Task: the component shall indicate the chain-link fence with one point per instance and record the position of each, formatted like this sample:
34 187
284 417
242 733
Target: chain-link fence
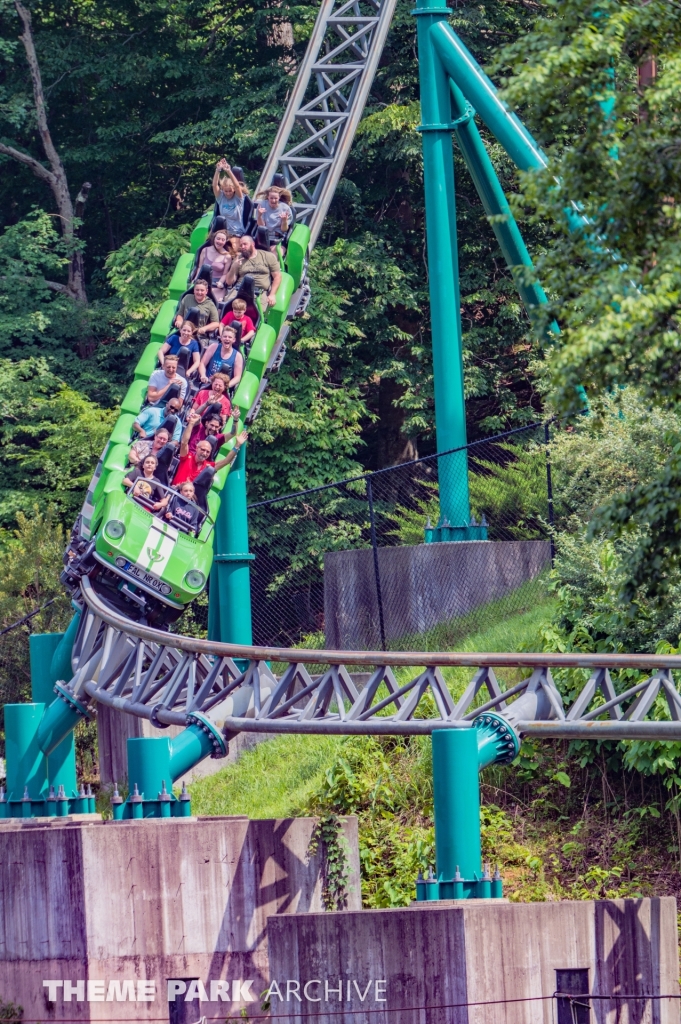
365 563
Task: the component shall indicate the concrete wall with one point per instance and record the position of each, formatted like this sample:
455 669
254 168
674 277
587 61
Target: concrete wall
114 728
421 586
497 959
149 900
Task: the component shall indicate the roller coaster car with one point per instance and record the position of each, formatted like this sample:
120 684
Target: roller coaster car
144 565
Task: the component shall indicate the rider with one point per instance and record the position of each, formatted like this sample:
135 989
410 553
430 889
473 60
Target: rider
222 357
229 195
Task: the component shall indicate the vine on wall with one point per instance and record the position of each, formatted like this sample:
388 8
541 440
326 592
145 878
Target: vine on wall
328 835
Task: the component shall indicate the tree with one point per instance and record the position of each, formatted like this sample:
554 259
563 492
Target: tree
612 138
69 214
51 438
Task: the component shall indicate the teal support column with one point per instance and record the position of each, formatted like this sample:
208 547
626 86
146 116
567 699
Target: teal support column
229 608
26 765
154 764
443 272
50 657
459 754
456 799
149 765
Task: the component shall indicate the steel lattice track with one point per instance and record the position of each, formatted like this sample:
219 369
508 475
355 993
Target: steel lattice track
325 107
165 678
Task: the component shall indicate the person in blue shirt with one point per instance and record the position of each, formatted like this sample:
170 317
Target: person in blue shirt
229 195
152 416
176 344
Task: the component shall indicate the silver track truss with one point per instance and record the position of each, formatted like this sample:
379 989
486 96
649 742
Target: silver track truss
166 678
326 104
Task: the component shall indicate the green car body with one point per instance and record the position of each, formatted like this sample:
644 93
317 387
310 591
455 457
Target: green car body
150 553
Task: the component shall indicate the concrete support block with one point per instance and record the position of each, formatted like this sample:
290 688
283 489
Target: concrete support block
479 962
150 900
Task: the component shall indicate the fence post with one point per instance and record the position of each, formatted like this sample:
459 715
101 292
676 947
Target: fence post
379 596
549 490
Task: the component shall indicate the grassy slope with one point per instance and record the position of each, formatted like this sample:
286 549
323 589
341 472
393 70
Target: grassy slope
277 778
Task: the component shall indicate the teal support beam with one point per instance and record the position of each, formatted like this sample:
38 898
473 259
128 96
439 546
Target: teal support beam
61 718
443 273
494 201
467 74
60 669
229 608
199 740
50 658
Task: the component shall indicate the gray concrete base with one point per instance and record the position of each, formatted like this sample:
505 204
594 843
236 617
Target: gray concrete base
477 962
148 901
421 586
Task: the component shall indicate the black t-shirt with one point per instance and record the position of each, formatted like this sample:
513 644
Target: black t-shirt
157 491
184 512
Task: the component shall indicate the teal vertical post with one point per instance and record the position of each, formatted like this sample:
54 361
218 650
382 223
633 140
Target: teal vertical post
26 764
149 765
50 657
229 608
443 271
456 798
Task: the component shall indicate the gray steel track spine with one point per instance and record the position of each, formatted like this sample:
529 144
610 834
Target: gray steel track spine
319 160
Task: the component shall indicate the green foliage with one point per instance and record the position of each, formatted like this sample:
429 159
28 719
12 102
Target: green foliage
10 1010
510 493
51 439
328 837
139 272
31 254
30 563
270 781
603 458
615 287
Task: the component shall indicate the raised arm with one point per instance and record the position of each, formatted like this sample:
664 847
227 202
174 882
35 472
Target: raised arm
238 188
228 459
216 177
235 266
236 417
192 420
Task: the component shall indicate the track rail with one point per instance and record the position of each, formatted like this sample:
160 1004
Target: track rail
326 104
166 678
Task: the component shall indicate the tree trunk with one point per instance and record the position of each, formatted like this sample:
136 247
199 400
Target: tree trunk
56 176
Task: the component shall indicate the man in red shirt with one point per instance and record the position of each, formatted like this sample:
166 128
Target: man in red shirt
190 465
